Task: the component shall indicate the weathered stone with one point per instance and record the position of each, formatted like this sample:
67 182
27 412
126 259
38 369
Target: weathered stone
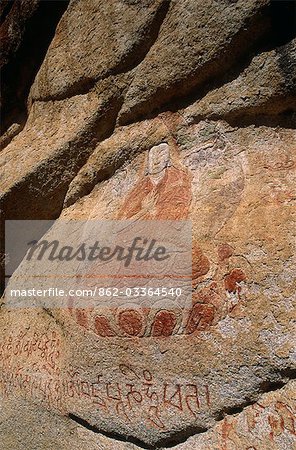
7 137
54 431
267 424
96 39
235 339
189 51
55 143
52 153
13 27
127 376
113 153
26 29
266 87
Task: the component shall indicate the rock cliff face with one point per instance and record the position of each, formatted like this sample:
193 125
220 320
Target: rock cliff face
206 91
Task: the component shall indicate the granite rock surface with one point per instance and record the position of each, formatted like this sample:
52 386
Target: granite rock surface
159 110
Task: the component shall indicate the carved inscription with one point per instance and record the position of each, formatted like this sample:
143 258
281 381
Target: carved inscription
130 395
44 346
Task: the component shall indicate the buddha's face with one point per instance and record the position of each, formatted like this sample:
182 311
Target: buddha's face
158 159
